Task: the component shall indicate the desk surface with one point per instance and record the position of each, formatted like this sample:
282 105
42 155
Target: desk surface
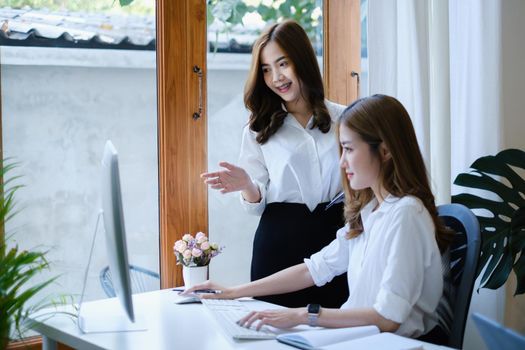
170 326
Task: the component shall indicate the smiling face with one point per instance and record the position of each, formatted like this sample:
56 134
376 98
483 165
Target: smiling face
360 163
279 75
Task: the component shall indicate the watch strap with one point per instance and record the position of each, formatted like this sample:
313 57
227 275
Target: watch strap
313 314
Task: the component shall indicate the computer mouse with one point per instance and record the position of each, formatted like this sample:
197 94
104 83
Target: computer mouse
188 300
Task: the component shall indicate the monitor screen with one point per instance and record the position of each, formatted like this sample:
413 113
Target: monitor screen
113 215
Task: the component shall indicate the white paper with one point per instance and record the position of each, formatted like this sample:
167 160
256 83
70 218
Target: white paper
321 337
379 341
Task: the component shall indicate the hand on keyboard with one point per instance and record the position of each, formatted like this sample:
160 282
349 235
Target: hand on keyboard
228 313
279 318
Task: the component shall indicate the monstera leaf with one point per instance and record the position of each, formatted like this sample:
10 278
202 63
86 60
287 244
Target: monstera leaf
502 232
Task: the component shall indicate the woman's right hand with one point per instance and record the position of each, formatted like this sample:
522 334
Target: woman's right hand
220 291
233 179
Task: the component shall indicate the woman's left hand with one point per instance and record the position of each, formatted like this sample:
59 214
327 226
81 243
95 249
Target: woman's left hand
279 318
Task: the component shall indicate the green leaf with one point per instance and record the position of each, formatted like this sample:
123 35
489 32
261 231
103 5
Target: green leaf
223 10
500 273
485 182
17 267
209 16
125 2
519 269
496 166
503 234
513 157
239 10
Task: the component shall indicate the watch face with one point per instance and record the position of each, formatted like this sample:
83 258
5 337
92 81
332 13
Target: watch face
313 308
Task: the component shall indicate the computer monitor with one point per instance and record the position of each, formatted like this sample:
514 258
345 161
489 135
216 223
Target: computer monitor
113 215
112 320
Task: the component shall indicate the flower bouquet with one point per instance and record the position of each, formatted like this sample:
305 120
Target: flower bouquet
194 254
195 251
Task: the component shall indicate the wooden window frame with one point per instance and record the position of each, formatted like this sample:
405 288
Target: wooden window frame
181 44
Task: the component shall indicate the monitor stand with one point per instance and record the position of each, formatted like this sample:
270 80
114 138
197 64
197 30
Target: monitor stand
109 320
105 323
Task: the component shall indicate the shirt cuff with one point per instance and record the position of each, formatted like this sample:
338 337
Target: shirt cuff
318 269
392 306
256 208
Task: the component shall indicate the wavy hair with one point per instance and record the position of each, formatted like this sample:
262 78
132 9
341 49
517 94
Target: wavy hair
383 119
266 112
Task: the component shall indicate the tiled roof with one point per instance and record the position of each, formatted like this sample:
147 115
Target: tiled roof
29 27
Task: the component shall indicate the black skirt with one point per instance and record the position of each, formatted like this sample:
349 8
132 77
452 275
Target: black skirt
288 233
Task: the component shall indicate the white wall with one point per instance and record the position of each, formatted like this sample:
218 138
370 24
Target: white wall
513 73
229 224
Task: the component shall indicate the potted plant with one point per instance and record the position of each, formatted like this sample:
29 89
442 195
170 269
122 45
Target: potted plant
503 230
17 269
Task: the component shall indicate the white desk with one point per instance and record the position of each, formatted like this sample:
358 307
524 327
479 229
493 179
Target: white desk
170 326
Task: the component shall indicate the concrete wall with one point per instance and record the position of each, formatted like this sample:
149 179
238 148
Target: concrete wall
58 108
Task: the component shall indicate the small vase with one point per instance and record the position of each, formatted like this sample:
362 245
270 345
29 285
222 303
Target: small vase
193 275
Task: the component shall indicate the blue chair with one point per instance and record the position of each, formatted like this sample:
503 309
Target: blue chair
142 280
460 273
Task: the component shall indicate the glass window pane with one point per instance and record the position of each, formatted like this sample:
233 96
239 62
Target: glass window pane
230 37
59 106
364 90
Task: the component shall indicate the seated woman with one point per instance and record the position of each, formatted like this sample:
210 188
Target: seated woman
390 245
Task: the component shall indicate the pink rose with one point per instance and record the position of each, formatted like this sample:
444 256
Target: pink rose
180 246
196 252
187 254
205 245
200 235
187 237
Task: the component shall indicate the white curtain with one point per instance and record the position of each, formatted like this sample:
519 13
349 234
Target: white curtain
476 119
398 56
442 60
475 67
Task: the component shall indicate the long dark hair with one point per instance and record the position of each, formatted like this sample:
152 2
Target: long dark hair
383 119
267 114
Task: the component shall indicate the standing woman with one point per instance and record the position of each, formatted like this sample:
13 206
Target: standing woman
288 169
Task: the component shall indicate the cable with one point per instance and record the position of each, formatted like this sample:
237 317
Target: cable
84 283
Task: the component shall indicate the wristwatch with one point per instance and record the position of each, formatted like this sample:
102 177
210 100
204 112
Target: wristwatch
314 310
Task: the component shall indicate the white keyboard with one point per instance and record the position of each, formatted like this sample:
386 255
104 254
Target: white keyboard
228 312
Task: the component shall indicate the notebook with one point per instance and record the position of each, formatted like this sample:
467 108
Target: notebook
496 336
364 337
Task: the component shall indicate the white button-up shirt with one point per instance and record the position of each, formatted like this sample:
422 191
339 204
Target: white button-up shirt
394 266
295 165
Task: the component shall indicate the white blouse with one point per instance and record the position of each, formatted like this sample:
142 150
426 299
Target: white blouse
394 266
295 165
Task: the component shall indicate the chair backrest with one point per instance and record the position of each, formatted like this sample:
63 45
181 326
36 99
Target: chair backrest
142 280
463 257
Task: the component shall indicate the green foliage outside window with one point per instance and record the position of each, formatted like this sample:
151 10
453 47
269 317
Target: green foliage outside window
137 7
231 12
226 13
